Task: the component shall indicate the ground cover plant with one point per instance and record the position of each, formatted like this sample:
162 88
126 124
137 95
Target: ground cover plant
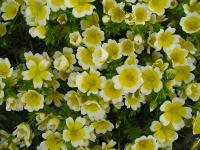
99 75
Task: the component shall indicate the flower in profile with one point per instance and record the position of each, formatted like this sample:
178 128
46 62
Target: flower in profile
81 8
108 5
75 38
117 14
135 100
131 60
33 100
100 56
2 85
14 104
76 132
196 124
129 78
152 80
102 126
73 100
5 70
187 45
110 93
90 21
113 49
174 112
190 23
145 143
183 73
193 91
55 5
192 7
52 141
93 109
163 133
3 29
39 31
89 82
38 72
141 13
166 39
127 47
55 97
93 36
159 7
160 64
109 146
9 9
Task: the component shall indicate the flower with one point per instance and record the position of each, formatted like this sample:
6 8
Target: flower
166 39
9 9
178 55
64 61
110 93
128 78
76 132
55 5
75 38
159 64
108 5
102 126
141 13
183 73
196 124
72 79
53 123
36 13
190 23
193 91
152 80
159 7
135 100
127 47
55 97
38 72
193 6
90 21
163 133
187 45
174 112
93 36
3 29
5 70
2 85
117 14
131 60
33 100
39 31
99 56
73 100
93 110
109 146
113 50
14 104
89 82
81 8
53 141
145 143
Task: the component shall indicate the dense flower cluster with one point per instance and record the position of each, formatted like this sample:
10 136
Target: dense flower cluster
72 93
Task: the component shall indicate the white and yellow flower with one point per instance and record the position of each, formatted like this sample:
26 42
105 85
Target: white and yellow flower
52 141
81 8
33 100
102 126
90 82
9 9
73 100
193 6
110 93
196 124
3 29
38 72
166 39
141 13
193 91
190 23
2 85
39 31
75 38
55 97
174 112
108 5
163 133
135 100
89 21
5 68
93 109
129 78
152 80
131 60
117 14
55 5
187 45
113 49
14 104
127 47
145 143
99 56
29 56
93 36
53 123
108 146
159 7
76 132
72 79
